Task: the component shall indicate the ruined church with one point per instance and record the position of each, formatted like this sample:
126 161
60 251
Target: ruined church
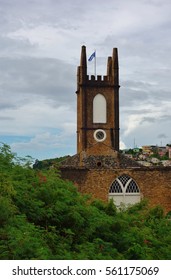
98 167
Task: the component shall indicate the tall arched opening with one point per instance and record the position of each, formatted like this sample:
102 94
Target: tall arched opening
99 109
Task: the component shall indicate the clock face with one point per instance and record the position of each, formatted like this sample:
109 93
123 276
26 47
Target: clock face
99 135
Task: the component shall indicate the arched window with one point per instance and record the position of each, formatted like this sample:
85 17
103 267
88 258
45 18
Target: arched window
124 190
99 109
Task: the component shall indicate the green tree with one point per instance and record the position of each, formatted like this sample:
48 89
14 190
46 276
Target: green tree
44 217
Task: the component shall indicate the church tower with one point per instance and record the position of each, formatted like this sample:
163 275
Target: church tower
99 168
98 108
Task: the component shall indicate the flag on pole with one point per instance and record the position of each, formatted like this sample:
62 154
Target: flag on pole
92 56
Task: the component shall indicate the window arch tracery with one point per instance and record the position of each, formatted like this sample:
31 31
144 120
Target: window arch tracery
124 190
124 184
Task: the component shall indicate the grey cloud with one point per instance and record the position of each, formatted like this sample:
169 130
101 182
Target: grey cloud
163 118
49 78
148 120
162 135
135 111
166 118
131 97
12 47
144 55
6 118
137 84
7 103
19 13
134 92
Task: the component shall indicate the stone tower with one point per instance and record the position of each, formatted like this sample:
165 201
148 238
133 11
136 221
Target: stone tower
99 168
98 108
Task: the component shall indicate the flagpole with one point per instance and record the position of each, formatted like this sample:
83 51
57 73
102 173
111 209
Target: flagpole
95 64
93 56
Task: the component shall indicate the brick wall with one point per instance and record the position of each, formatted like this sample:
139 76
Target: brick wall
154 183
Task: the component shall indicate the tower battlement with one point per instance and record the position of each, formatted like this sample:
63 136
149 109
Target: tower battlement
99 80
112 77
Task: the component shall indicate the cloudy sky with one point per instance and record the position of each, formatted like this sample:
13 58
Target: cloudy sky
40 42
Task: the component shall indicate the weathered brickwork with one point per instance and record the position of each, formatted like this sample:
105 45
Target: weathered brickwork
87 89
154 183
103 160
97 164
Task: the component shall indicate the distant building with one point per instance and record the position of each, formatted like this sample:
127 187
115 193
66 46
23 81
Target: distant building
129 155
142 157
154 160
162 151
168 148
148 150
145 163
136 150
169 151
166 162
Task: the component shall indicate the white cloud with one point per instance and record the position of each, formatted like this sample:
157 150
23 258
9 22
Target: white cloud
46 145
122 145
40 49
37 115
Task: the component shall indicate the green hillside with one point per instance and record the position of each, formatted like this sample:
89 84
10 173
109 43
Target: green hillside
48 163
43 217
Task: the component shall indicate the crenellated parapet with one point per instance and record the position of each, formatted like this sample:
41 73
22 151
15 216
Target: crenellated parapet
111 79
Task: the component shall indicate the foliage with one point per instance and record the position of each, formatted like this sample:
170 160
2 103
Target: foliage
48 163
44 217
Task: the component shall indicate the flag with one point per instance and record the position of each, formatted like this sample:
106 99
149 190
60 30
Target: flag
92 56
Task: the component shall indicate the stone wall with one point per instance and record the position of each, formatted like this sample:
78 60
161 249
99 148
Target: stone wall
154 183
